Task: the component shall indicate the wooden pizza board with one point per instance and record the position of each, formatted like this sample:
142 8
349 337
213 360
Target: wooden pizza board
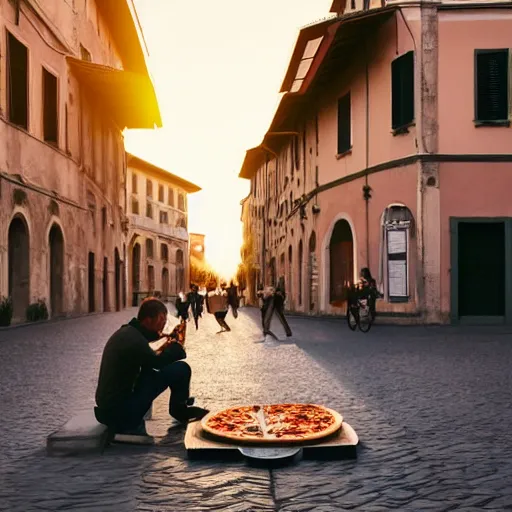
341 445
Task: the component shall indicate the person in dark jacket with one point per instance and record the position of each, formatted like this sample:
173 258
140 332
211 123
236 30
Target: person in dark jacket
276 305
132 374
233 298
196 300
182 306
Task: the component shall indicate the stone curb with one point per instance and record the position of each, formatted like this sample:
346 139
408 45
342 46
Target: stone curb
56 320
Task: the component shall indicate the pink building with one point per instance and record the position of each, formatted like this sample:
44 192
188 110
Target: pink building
73 76
390 149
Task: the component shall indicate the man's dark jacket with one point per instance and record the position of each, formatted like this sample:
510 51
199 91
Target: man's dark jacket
124 355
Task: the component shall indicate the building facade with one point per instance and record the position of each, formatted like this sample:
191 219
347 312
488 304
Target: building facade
68 73
158 248
390 149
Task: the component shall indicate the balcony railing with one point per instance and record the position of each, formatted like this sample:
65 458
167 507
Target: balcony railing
141 222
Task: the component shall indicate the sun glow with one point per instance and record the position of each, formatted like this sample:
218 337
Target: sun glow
217 68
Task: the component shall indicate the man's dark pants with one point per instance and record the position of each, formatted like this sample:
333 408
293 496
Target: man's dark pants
275 306
150 384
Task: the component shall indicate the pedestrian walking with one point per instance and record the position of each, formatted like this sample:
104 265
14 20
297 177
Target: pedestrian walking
217 305
196 300
182 307
233 298
273 303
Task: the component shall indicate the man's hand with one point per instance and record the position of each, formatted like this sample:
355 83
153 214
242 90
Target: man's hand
160 345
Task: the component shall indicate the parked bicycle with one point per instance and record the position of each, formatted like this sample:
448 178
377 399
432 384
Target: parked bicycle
361 303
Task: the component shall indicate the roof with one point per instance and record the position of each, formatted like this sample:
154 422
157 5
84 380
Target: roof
254 158
123 22
339 36
129 97
139 163
338 6
308 35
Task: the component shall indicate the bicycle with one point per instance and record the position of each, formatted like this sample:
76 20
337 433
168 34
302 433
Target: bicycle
360 310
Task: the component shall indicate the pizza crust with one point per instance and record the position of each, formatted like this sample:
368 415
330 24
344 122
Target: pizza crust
268 438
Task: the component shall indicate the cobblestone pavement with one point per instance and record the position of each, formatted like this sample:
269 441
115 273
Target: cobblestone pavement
432 407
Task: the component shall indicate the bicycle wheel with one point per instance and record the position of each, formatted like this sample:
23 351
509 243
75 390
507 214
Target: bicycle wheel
365 319
352 318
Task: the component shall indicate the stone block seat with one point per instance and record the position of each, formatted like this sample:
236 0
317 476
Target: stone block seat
82 433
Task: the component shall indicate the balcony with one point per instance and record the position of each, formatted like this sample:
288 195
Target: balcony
141 222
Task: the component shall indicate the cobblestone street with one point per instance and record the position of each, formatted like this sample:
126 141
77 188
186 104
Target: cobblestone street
432 407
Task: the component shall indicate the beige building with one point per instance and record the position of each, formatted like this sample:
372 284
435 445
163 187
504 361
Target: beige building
158 260
73 76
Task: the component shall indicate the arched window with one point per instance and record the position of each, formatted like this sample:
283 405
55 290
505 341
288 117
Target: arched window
149 188
397 230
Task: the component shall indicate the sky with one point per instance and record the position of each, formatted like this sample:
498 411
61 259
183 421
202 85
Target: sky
217 67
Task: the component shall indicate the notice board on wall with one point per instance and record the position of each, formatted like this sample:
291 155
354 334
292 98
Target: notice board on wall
397 263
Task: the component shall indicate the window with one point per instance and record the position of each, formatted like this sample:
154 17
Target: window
344 135
50 108
161 193
17 82
181 202
104 217
151 278
135 206
164 218
170 198
164 252
134 184
149 248
402 91
149 210
149 189
85 54
491 95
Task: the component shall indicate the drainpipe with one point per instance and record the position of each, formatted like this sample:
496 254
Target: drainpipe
366 188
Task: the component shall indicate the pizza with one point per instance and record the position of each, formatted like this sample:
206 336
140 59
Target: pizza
279 423
179 333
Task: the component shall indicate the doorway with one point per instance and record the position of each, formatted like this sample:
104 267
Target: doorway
105 285
481 262
56 242
341 261
481 282
19 267
91 288
117 279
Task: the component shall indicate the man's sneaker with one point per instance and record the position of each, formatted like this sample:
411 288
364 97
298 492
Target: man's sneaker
190 414
138 435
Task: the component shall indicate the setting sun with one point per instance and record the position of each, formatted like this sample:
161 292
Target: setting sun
217 68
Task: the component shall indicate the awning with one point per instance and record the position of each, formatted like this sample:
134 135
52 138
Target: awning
129 97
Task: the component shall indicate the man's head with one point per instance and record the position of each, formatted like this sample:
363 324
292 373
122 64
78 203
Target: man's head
152 314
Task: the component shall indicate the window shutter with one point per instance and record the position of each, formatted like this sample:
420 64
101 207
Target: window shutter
492 85
402 90
344 138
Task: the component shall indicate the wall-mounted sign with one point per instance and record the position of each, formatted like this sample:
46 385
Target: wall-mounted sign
397 263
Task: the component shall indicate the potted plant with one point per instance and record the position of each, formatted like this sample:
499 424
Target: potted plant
5 311
37 311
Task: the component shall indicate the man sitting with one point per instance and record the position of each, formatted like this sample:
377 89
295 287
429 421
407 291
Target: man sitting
132 374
